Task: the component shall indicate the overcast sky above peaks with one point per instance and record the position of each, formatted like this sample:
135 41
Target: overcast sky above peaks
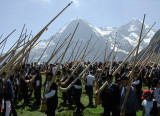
102 13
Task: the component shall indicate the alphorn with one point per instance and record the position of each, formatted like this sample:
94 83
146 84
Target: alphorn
115 72
1 36
132 72
12 53
35 52
105 60
97 97
77 52
7 36
153 66
63 43
18 63
145 62
115 57
72 83
77 67
110 68
55 73
98 51
73 51
44 50
33 56
9 57
127 55
33 39
61 55
56 46
84 55
144 55
9 51
3 47
85 47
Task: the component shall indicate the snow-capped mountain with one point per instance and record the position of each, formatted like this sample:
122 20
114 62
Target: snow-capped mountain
127 36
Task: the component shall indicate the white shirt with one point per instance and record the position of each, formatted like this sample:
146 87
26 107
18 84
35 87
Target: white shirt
17 81
123 90
148 106
78 86
90 80
110 85
136 82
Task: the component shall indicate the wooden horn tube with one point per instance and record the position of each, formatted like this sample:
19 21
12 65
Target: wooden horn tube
55 73
133 68
67 88
37 36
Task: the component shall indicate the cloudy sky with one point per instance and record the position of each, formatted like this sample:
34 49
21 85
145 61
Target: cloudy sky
102 13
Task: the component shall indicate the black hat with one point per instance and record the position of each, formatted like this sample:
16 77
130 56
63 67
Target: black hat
124 78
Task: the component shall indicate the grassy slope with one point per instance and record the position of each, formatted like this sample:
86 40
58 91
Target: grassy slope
33 110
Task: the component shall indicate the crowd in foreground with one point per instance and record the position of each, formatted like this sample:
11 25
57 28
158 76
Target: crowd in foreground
21 85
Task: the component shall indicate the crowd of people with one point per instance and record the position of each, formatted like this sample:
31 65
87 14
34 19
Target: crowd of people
21 85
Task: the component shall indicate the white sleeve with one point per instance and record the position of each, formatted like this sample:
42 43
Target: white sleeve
50 94
37 83
93 78
136 82
2 103
143 102
77 86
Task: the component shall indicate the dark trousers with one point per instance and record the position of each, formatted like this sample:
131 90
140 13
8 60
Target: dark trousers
78 103
69 97
51 108
108 111
139 93
89 92
25 96
131 114
16 93
37 95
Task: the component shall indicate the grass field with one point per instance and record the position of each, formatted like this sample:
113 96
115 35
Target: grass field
33 110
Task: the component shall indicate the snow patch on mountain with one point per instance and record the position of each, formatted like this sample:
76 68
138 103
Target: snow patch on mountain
127 36
102 32
132 28
134 35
